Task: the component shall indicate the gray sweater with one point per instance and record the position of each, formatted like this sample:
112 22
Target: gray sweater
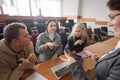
42 39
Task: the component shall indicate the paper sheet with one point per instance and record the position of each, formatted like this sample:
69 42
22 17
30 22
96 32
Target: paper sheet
36 76
84 53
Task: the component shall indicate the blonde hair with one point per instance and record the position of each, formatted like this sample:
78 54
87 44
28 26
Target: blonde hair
83 29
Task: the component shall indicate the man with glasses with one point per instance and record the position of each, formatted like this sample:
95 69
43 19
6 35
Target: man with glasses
16 52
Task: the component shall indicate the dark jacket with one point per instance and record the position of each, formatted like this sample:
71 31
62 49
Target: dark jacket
107 68
71 47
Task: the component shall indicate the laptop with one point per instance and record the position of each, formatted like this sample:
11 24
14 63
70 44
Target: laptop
60 70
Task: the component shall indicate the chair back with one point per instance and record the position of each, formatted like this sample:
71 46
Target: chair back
105 29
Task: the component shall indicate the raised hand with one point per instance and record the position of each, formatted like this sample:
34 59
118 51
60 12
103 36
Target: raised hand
78 42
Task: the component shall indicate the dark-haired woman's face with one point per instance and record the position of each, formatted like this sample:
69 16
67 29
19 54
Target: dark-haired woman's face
52 27
114 20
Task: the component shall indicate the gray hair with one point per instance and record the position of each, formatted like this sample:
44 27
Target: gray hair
83 29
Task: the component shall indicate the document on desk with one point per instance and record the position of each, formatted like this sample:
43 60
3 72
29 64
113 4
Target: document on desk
84 53
36 76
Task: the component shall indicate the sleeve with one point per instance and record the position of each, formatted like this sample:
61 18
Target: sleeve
60 48
39 44
77 71
6 73
70 46
114 73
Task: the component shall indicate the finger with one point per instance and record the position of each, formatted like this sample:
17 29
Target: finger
21 59
33 58
63 58
66 55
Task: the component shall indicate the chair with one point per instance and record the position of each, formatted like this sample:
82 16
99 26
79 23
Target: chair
70 23
1 31
85 25
41 27
63 36
100 35
33 39
29 24
10 21
62 22
89 33
91 37
105 30
41 21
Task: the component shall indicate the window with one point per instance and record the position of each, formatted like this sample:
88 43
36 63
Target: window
50 8
38 7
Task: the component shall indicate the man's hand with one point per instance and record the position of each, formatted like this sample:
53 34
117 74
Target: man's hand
32 58
24 65
95 57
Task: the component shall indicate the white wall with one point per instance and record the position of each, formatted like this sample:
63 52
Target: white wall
85 8
69 7
94 9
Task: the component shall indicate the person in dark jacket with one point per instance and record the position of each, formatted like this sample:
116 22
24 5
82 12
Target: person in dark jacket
77 39
108 66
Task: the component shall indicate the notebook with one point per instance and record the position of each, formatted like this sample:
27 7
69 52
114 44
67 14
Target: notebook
36 76
85 53
60 70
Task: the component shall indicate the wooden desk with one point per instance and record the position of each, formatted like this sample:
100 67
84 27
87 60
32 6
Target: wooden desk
44 69
100 48
88 64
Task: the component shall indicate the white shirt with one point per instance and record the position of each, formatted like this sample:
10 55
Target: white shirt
116 47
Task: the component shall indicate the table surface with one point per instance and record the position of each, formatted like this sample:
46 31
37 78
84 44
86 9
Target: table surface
88 64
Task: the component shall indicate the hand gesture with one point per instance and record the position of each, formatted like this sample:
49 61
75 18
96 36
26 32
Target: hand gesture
52 45
95 56
32 58
78 42
24 65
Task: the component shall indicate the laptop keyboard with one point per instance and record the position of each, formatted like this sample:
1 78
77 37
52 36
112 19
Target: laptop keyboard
62 72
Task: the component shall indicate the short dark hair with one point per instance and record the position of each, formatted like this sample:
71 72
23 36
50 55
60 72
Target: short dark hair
113 4
50 20
11 31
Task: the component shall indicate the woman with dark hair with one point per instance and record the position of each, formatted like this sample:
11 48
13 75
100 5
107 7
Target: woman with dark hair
108 66
48 44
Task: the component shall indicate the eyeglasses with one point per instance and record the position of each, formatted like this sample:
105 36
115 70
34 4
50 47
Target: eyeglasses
113 16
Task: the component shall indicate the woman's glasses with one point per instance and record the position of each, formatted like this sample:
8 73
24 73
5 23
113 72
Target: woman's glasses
113 16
